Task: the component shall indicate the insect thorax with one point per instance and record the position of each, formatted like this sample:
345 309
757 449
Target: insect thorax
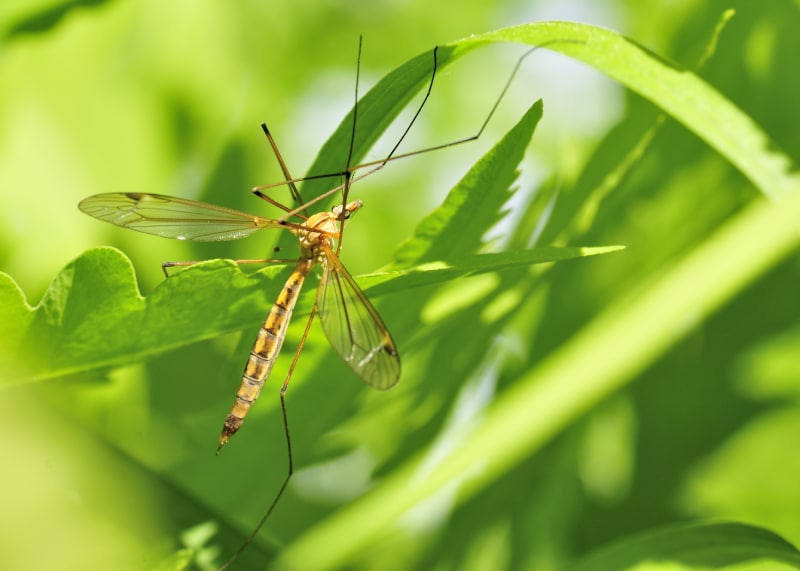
324 227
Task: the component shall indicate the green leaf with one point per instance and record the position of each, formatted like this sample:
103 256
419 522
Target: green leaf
434 273
93 316
86 319
679 92
693 546
474 205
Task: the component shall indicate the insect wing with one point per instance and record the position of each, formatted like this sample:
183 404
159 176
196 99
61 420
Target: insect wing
172 217
354 328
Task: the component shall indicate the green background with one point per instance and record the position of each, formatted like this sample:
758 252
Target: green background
107 469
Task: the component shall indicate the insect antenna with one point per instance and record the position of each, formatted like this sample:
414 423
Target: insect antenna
348 174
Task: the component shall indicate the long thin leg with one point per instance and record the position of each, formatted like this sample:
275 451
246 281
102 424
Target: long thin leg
287 434
187 263
380 163
299 348
274 503
300 211
289 212
286 175
311 202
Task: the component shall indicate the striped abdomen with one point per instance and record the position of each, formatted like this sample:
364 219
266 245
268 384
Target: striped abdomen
265 349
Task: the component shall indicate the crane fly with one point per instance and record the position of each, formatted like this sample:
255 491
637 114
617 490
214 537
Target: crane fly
352 325
350 322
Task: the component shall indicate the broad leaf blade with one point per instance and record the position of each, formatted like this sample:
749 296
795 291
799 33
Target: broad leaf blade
94 317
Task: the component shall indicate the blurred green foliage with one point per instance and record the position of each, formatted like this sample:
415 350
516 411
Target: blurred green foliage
117 471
